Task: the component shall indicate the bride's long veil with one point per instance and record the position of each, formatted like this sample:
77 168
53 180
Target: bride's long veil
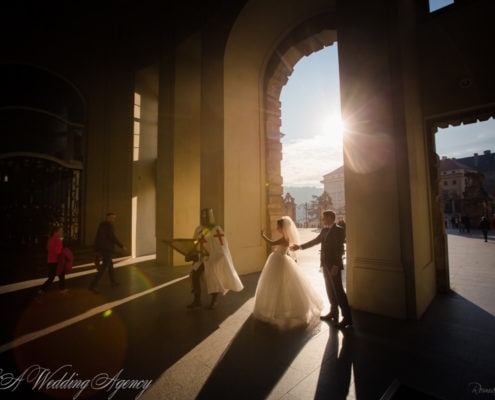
291 233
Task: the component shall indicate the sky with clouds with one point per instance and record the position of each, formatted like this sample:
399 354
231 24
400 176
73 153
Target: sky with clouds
465 140
312 146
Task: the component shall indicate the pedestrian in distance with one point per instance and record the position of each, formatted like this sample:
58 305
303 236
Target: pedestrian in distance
104 245
485 227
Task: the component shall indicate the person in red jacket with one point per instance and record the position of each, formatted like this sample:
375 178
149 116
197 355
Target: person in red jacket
65 261
54 249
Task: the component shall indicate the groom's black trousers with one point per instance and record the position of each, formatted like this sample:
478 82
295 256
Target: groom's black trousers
336 293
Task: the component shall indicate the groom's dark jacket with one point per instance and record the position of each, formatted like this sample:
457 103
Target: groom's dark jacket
332 246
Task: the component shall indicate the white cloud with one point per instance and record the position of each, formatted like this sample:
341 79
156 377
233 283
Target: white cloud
305 161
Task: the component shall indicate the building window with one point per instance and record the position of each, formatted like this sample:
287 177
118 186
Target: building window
137 126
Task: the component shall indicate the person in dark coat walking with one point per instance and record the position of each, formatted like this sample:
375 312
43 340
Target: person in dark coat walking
332 238
105 242
484 226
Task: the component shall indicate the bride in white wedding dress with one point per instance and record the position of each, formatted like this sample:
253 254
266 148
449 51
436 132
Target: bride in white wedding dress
284 297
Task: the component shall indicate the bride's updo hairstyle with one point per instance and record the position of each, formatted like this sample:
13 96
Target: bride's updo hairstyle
289 229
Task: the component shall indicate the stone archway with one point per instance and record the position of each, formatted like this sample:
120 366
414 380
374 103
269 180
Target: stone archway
260 31
391 273
309 37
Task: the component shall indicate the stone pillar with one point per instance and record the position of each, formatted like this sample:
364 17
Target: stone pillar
187 140
178 171
165 161
212 125
391 262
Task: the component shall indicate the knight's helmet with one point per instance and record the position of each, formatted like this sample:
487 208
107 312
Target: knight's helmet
207 217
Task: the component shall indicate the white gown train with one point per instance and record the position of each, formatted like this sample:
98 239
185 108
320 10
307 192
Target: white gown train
284 297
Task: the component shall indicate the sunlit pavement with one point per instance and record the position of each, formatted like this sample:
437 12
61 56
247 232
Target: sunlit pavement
437 357
324 364
257 370
143 329
472 267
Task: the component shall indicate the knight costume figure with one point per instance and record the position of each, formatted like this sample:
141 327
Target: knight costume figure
214 260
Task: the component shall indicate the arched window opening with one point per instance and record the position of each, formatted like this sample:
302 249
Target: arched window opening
312 161
307 39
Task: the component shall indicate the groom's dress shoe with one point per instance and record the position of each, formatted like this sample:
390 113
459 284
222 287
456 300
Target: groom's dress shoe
344 324
329 317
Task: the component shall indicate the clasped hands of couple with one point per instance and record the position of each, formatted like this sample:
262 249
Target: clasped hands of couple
334 270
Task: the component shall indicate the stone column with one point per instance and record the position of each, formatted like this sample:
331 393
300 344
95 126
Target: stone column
165 161
212 125
390 260
179 141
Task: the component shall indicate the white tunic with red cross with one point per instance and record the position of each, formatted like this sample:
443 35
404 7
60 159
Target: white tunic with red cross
220 274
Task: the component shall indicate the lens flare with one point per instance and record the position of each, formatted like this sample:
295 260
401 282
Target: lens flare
368 152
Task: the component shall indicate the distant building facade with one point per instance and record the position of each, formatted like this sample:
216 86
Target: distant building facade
484 163
455 177
333 184
467 189
453 183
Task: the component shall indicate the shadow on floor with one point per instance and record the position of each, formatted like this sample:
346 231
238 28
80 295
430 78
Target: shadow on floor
255 361
448 354
335 373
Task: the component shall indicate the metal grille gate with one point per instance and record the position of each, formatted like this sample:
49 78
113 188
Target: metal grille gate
37 193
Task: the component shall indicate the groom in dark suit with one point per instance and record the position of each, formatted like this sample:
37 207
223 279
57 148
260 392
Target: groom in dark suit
332 238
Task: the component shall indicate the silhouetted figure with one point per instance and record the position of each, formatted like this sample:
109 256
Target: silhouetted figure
105 242
466 223
484 226
332 238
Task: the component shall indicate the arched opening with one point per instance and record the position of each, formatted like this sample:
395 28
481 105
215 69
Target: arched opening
392 273
41 164
312 145
261 49
308 38
465 184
